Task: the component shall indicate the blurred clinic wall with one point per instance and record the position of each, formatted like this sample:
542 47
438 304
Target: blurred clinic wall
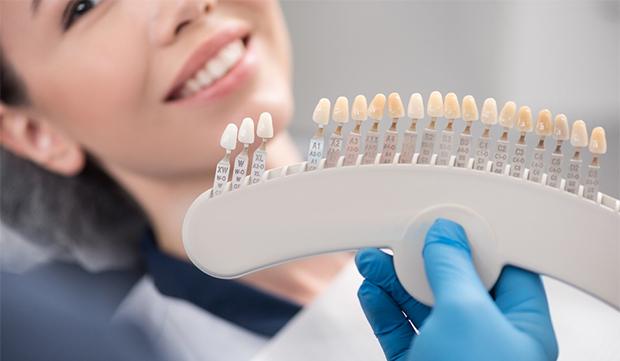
562 55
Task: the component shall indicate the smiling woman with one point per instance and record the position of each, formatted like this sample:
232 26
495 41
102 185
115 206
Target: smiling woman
116 132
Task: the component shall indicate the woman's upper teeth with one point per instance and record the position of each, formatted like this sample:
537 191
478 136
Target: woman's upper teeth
214 68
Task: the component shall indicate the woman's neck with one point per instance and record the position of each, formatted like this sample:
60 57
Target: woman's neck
165 203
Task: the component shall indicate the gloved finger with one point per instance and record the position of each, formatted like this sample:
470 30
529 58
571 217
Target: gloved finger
378 268
520 296
448 264
388 323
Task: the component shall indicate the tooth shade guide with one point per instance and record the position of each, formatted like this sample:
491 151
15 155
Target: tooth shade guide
315 149
427 146
371 145
335 147
482 150
352 148
409 143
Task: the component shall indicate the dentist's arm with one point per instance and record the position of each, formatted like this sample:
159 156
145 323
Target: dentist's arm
466 323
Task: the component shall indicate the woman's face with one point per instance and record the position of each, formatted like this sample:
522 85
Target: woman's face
148 86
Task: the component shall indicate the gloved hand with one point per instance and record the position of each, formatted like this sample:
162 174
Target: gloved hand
466 322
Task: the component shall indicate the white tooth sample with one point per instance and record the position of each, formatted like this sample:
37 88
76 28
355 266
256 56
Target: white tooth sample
246 131
507 114
544 128
579 134
395 106
415 108
359 113
246 137
470 114
452 109
264 130
578 139
489 112
561 133
560 127
377 107
228 140
598 142
470 109
321 112
434 108
315 150
598 146
488 117
415 111
544 123
375 112
524 125
396 110
340 115
359 109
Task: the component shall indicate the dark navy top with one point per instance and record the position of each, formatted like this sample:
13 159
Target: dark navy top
241 304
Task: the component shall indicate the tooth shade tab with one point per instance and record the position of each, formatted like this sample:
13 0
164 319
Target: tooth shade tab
415 109
321 112
560 127
396 109
228 140
579 134
544 123
524 120
507 114
489 112
359 109
264 128
340 114
246 131
598 142
451 107
377 107
470 109
434 107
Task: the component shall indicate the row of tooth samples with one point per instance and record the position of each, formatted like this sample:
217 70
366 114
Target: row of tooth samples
245 135
500 157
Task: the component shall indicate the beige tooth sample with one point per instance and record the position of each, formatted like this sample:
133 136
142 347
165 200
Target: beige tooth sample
415 111
315 150
377 107
544 123
598 142
434 108
470 109
359 113
321 112
579 140
524 120
561 133
507 114
371 145
341 110
359 109
452 110
579 134
598 146
489 112
415 108
395 110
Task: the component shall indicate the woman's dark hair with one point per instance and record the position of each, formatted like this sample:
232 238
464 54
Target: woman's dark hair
85 217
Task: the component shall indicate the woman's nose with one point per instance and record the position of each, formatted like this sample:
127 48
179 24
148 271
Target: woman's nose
171 17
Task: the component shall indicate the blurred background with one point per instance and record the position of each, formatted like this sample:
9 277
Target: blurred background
561 55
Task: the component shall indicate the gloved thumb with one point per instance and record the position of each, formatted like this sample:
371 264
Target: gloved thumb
448 263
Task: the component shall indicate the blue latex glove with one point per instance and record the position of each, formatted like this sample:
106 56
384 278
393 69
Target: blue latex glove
466 322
